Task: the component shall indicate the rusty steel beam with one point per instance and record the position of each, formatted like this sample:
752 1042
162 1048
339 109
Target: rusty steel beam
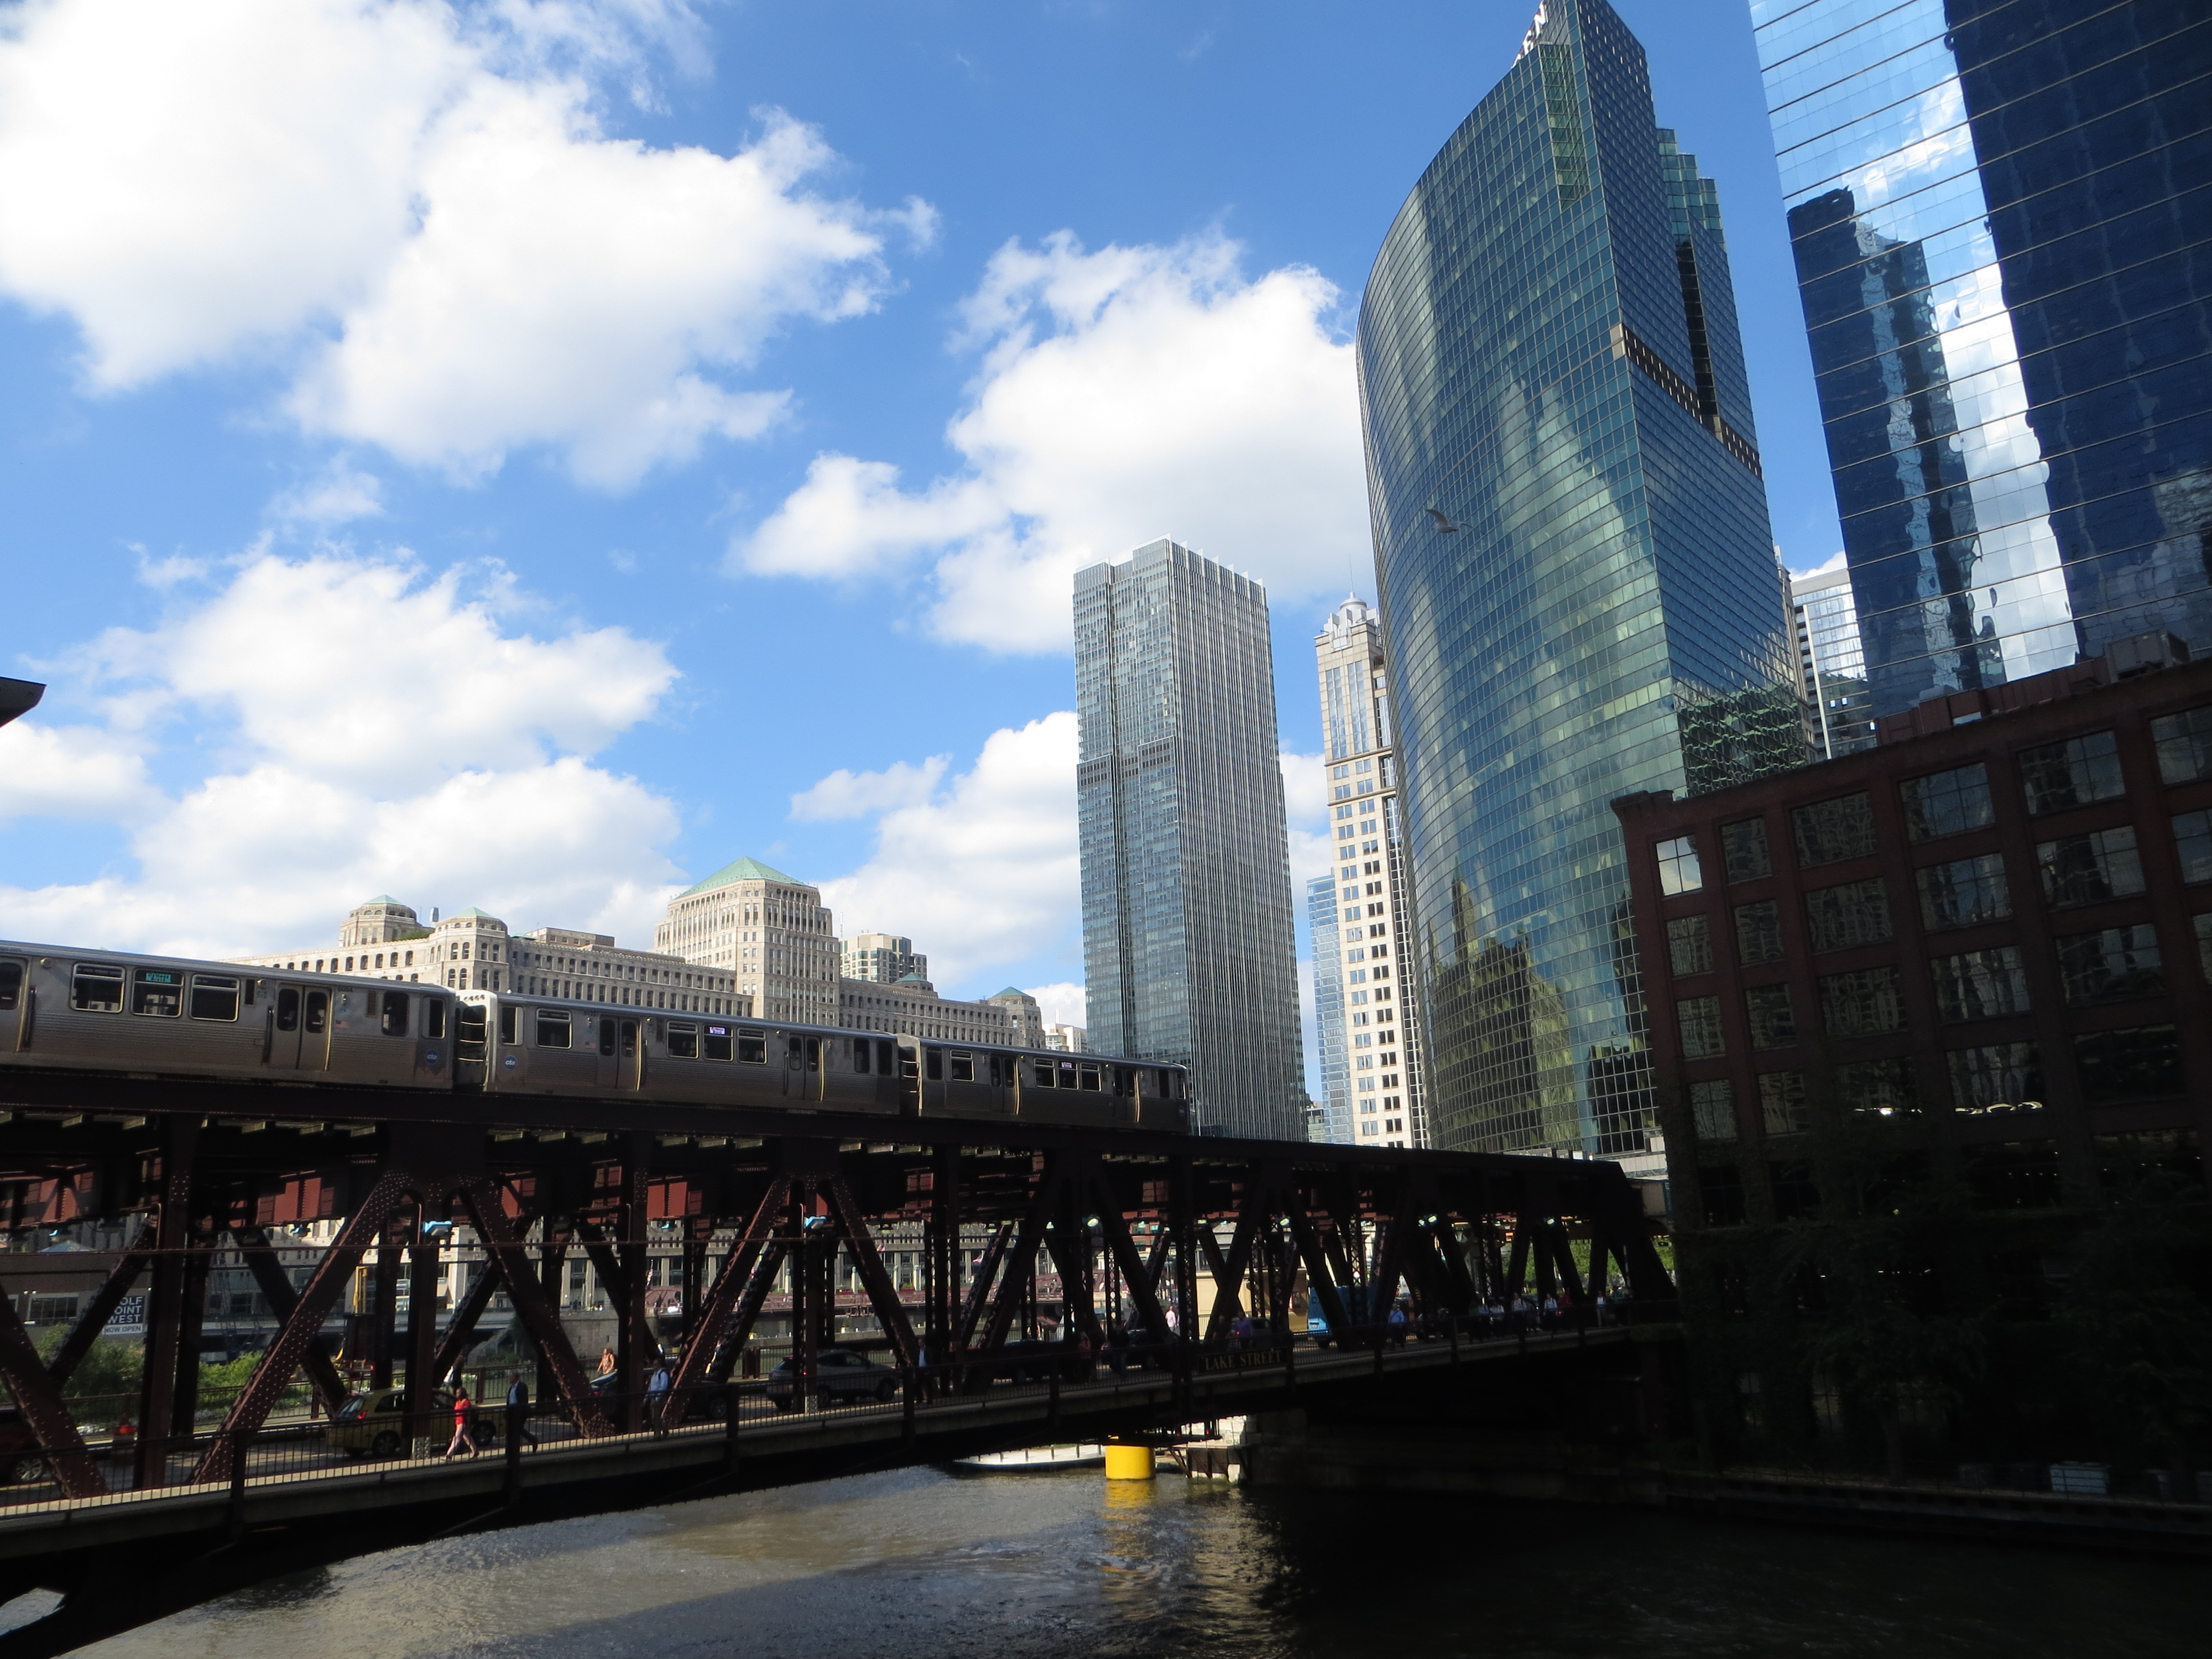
454 1346
480 1198
721 1301
883 1295
94 1320
38 1396
260 1258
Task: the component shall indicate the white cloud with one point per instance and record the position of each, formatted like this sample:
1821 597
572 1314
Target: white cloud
1063 1003
379 730
1833 561
417 211
983 870
337 495
1306 805
847 794
70 772
1120 396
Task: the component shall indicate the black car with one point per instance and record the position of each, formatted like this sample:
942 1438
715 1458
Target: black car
840 1374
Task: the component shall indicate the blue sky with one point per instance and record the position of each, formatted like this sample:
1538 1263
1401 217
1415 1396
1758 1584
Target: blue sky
526 455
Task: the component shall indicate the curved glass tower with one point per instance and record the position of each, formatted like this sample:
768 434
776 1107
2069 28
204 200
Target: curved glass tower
1577 580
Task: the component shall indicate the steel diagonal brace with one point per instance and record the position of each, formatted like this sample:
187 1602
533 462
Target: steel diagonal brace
534 1308
277 1285
95 1318
298 1334
714 1312
453 1347
1229 1285
1023 1257
1319 1278
979 1288
772 1258
40 1397
883 1295
1141 1277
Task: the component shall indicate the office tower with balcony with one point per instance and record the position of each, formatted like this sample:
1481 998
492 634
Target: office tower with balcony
1379 997
1188 939
1831 663
1576 573
1998 210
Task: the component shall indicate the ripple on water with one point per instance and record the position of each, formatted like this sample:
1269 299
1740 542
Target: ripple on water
918 1563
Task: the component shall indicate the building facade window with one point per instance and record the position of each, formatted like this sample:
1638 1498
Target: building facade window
1829 831
1979 985
2090 869
1743 848
1689 945
1679 870
1863 1003
1759 933
1964 892
1713 1109
1856 913
1773 1020
1699 1019
2114 964
1947 803
1782 1106
1999 1077
2183 743
2078 772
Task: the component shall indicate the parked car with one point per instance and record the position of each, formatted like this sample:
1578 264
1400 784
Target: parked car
840 1374
374 1424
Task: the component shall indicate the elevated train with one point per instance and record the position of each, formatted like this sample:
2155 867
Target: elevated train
63 1008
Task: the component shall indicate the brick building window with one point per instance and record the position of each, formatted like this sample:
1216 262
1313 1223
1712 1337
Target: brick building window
2142 1062
2111 965
1689 945
1876 1088
1964 892
1857 1004
1698 1018
1720 1186
1679 871
1782 1107
1713 1109
1856 913
2184 745
2090 869
1759 933
1979 985
1773 1021
2002 1077
1829 831
2192 840
1743 850
1947 803
2073 773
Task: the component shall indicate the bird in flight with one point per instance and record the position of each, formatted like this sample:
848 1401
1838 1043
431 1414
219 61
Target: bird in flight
1444 526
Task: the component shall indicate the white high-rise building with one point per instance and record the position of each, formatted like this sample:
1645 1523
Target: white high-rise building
885 958
1831 662
1377 997
768 931
1330 1044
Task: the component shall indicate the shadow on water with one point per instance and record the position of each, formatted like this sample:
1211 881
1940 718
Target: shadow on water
915 1565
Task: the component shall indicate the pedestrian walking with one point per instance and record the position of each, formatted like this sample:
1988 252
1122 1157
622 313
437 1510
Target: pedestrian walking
462 1408
518 1411
656 1398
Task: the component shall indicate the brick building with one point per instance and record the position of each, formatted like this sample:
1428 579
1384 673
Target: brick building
1981 949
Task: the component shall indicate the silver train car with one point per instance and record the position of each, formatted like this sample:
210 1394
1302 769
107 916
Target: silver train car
62 1008
507 1043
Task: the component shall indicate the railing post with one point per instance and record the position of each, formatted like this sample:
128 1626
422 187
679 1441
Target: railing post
733 1399
906 1404
241 1444
516 1417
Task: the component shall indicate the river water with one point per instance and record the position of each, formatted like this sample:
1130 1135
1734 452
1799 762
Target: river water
921 1564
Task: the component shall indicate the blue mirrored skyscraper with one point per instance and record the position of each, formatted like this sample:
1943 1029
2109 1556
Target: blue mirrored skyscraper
1577 579
2002 216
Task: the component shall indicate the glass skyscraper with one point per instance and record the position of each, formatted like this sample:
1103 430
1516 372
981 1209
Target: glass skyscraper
1832 664
1331 1050
2000 211
1576 576
1188 949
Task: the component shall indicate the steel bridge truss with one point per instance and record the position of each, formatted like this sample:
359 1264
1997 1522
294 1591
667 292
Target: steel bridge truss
1171 1236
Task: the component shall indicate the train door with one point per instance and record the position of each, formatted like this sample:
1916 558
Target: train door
15 1003
298 1029
629 1057
472 1045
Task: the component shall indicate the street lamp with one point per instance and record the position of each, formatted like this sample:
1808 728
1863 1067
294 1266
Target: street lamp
18 698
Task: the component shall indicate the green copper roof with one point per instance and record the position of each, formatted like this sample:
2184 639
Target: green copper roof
472 911
382 899
1011 991
743 870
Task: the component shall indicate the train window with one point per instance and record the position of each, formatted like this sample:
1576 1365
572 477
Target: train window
861 1054
1124 1080
1067 1074
683 1040
628 1038
885 1050
1002 1070
158 992
752 1048
936 1064
1043 1075
718 1043
434 1017
1090 1074
395 1011
607 1038
319 1012
214 996
553 1028
509 1025
11 984
96 990
814 1053
288 1009
250 984
963 1068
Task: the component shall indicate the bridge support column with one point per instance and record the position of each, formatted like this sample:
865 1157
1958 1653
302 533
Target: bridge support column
157 1394
422 1378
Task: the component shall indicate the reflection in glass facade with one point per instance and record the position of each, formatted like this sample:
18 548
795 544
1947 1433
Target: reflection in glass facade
1832 663
1577 575
1999 211
1188 948
1331 1048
